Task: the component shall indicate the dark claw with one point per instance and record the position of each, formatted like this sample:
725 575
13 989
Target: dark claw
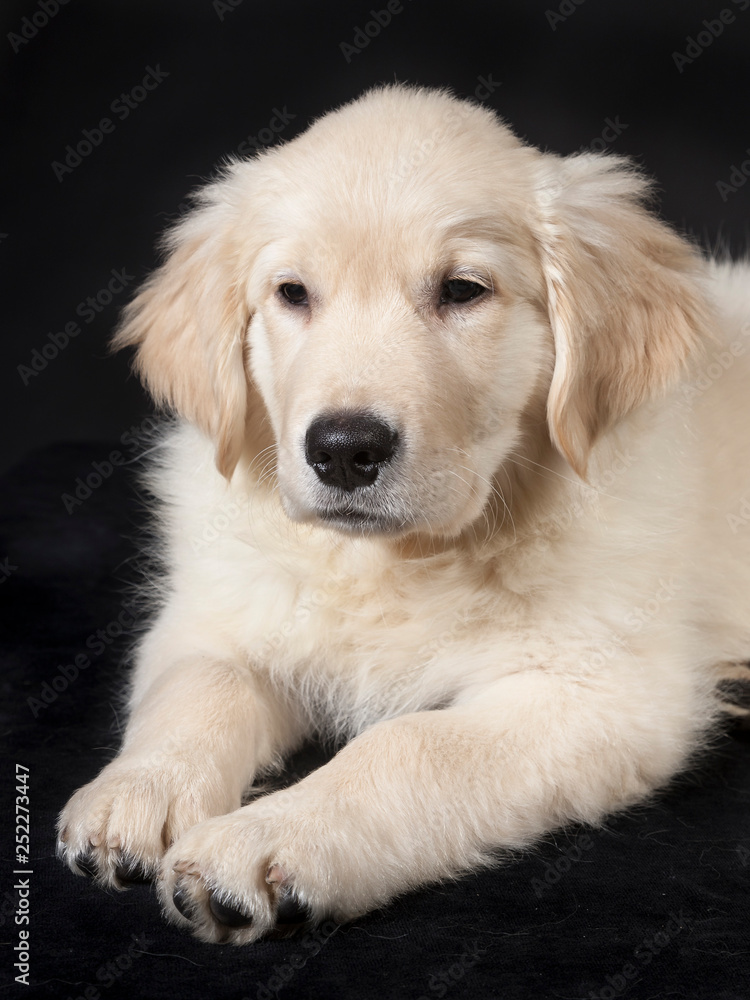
131 872
227 916
86 865
183 903
291 911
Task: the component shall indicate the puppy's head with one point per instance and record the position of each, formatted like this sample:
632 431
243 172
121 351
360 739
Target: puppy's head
408 290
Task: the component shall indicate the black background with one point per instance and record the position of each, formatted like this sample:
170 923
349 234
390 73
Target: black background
533 935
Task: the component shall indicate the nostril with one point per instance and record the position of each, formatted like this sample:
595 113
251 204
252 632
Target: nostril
347 450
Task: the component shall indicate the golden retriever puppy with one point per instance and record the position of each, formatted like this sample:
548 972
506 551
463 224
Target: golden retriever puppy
462 474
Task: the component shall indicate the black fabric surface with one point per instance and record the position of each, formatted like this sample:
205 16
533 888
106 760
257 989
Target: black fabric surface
655 905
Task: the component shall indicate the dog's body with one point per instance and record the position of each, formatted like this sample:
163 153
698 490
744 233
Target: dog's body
483 468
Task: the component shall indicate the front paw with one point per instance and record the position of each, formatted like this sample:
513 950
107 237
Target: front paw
260 870
117 828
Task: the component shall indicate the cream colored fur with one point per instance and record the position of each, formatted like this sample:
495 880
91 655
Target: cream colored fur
534 634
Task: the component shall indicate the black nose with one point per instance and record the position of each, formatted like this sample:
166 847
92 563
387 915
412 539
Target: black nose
348 449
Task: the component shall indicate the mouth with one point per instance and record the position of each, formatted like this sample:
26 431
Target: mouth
352 520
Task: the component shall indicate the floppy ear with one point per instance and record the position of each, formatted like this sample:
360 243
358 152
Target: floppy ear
188 322
624 298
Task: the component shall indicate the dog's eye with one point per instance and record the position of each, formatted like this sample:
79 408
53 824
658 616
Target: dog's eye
294 293
456 290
